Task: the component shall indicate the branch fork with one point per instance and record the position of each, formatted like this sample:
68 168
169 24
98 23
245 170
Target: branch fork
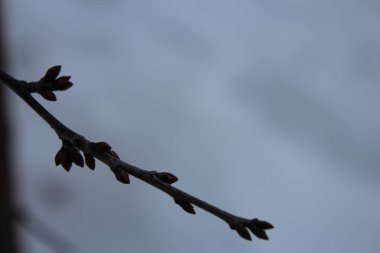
77 150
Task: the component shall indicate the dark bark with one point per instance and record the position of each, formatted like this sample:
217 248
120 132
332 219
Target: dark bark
8 242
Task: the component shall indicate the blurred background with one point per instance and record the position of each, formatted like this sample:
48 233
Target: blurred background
267 109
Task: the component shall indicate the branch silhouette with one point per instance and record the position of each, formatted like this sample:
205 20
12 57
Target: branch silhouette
73 143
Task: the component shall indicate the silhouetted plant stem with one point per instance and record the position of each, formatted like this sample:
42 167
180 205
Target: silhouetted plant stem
73 142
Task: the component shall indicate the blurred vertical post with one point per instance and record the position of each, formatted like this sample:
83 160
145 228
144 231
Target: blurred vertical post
8 242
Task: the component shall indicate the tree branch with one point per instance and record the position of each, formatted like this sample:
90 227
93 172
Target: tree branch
73 143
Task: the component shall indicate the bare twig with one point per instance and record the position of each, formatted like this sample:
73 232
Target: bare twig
73 142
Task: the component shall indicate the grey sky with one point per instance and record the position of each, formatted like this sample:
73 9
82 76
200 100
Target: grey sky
268 109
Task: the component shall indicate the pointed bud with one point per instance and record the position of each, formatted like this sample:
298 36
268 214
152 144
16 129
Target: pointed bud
62 85
77 158
186 206
48 95
122 176
260 233
52 73
90 161
257 231
67 163
64 78
262 224
167 177
243 232
60 156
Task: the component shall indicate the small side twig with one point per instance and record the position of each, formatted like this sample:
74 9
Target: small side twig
73 143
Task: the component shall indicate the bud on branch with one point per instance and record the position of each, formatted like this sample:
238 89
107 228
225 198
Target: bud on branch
74 143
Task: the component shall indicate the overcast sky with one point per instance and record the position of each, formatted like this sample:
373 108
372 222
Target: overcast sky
268 109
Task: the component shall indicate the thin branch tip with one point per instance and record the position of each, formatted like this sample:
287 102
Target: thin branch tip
73 144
